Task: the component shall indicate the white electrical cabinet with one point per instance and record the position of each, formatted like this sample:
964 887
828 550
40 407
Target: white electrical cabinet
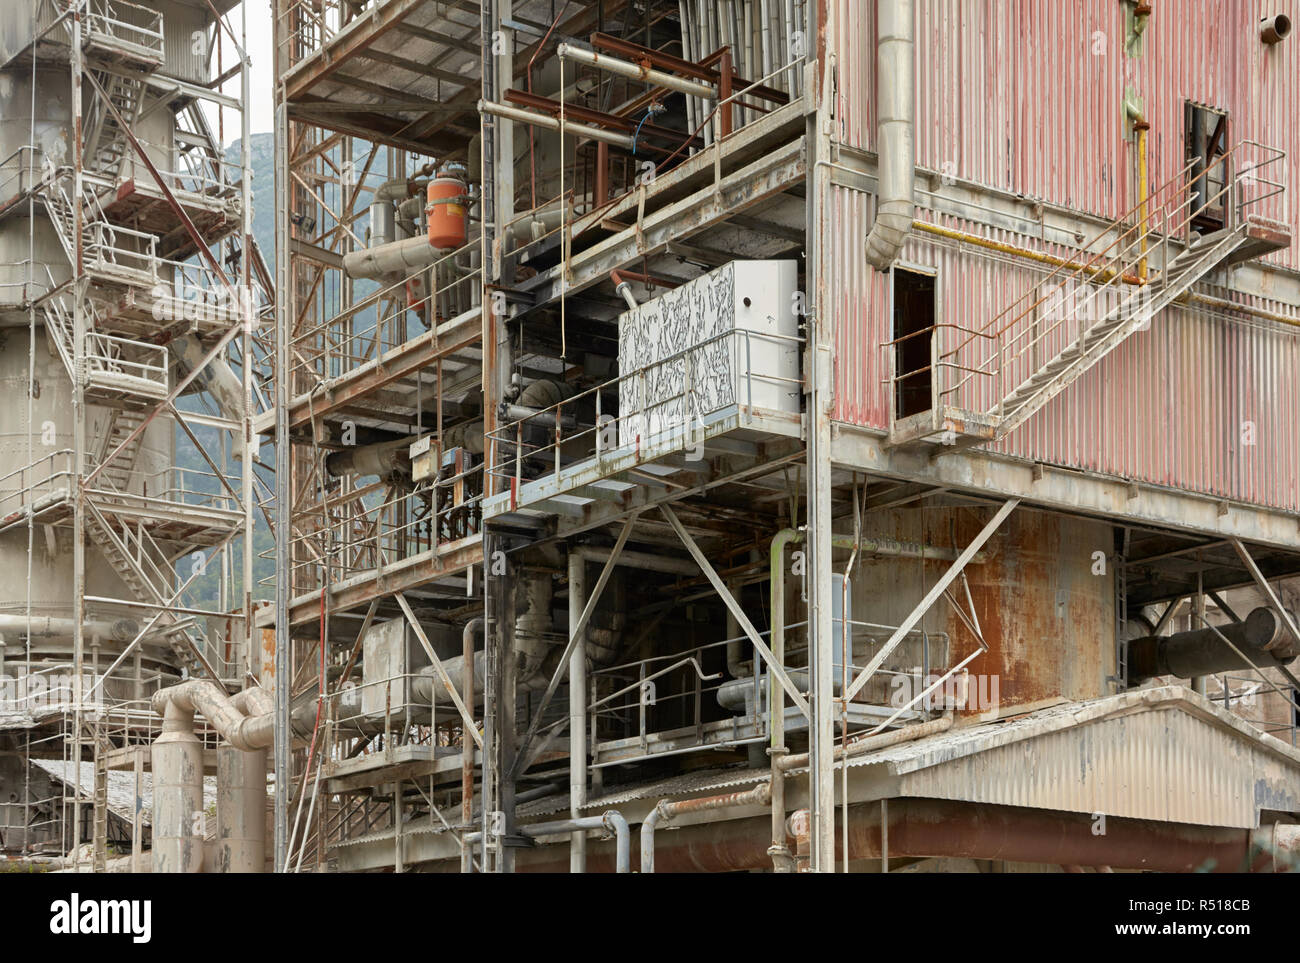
724 341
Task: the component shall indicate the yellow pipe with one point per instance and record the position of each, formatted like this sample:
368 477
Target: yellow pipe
1104 273
1141 126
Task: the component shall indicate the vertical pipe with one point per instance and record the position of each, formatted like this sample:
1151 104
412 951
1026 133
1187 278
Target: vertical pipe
281 674
78 437
1141 126
177 765
241 810
780 853
467 740
577 712
818 538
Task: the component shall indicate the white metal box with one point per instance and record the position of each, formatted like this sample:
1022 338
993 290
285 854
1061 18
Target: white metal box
724 340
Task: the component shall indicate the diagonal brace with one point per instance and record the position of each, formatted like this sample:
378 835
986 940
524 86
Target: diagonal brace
442 673
718 586
1274 602
931 597
575 633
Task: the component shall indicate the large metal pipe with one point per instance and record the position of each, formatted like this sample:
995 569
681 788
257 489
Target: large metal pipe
472 627
577 712
638 72
216 377
241 810
665 810
53 627
923 828
222 712
546 122
396 258
176 760
382 459
895 118
1202 652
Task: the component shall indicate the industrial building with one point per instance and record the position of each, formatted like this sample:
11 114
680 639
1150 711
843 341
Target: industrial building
697 436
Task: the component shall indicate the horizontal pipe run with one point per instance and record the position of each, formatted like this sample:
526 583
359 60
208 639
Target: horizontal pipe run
666 810
623 68
553 123
611 821
927 828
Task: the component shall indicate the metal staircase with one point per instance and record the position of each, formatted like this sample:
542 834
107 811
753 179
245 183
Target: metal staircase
140 561
106 146
988 381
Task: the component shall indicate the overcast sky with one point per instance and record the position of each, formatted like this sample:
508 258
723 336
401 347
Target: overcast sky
262 81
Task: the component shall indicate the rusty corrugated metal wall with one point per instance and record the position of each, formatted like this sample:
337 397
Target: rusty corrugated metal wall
1016 97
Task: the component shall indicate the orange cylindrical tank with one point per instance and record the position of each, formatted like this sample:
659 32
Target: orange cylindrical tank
447 217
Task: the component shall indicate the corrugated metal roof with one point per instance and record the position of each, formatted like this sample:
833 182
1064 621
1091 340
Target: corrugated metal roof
121 787
1163 753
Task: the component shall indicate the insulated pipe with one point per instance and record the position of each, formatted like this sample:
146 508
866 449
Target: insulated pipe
895 116
53 627
1201 652
382 459
248 733
546 122
577 712
648 75
398 257
176 760
241 810
665 810
778 850
928 828
611 821
215 377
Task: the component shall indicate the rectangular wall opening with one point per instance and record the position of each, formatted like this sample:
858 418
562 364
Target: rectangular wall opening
914 319
1207 142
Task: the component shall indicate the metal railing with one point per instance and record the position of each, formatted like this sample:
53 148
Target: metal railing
327 350
362 538
669 399
123 25
977 368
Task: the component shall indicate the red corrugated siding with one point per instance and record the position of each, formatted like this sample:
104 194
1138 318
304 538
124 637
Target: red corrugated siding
1026 96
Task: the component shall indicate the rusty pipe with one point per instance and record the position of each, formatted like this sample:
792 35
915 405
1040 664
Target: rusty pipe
665 810
864 744
466 740
928 828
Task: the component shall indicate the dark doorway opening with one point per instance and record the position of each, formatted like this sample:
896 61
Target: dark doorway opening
1207 142
914 317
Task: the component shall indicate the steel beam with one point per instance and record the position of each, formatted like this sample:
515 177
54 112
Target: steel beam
734 607
931 597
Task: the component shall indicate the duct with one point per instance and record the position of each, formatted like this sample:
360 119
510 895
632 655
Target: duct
51 627
895 116
612 822
1202 652
1274 29
215 377
241 810
248 733
176 760
665 810
384 459
926 828
396 258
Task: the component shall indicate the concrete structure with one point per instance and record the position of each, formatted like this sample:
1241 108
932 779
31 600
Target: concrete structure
130 293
